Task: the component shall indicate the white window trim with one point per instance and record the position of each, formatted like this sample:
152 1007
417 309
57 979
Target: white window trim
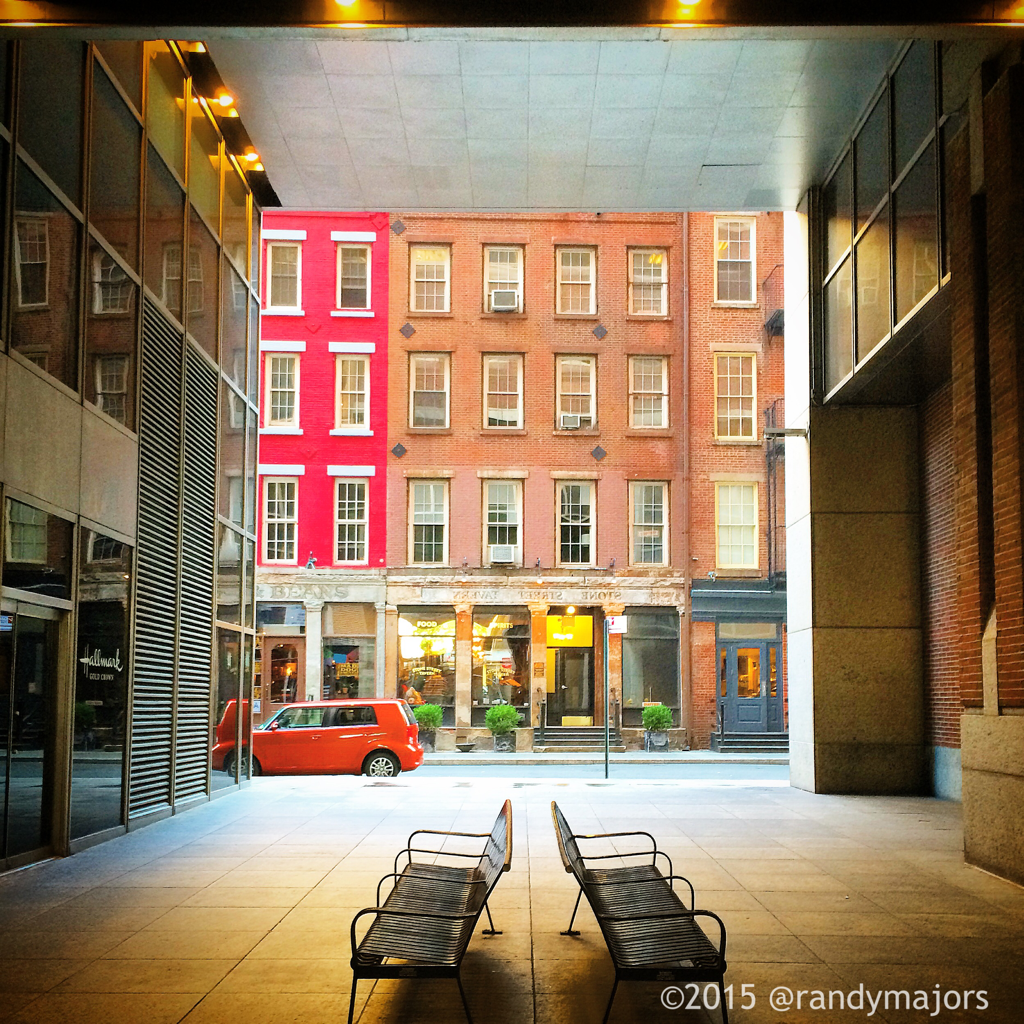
274 479
593 390
295 310
268 423
413 356
346 479
353 236
283 235
282 346
354 310
18 263
757 525
355 347
665 419
738 439
644 249
592 485
345 428
517 485
413 481
446 246
518 356
352 471
518 249
666 491
746 303
592 250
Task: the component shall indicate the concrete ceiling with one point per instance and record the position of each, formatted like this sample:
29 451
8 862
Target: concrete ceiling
601 120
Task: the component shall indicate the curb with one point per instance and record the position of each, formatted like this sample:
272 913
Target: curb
506 760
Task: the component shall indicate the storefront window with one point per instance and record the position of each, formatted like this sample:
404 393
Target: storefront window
225 708
349 667
650 661
501 657
284 672
426 656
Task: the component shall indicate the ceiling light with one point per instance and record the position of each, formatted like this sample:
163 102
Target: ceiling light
224 98
346 3
251 155
571 610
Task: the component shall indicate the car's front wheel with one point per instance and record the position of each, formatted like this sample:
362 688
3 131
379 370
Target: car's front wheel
381 764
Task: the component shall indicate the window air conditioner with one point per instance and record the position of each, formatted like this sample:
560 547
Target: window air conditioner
569 421
504 302
503 554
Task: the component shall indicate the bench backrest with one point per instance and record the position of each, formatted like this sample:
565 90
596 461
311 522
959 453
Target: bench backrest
567 848
497 855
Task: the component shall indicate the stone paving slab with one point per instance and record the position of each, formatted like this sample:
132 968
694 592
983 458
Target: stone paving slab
237 912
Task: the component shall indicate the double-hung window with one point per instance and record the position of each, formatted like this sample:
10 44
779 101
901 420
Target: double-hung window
284 273
429 286
353 391
734 259
32 263
575 523
280 519
648 282
350 521
503 391
26 533
282 376
649 523
429 389
111 288
575 276
111 381
735 393
503 279
736 525
502 500
576 379
428 522
353 277
171 282
648 391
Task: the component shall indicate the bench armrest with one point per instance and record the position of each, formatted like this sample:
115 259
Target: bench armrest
441 832
658 916
382 912
409 850
617 835
668 878
631 853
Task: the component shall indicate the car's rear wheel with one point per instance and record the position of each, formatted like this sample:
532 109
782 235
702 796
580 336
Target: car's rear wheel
381 764
257 768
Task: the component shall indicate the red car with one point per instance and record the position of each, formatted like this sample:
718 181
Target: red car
329 737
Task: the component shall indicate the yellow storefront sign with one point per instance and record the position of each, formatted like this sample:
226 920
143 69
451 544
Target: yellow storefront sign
570 631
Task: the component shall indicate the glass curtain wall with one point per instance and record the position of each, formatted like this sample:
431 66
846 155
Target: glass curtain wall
881 207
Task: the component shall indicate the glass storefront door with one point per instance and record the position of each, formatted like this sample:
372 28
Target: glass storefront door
29 638
749 687
570 669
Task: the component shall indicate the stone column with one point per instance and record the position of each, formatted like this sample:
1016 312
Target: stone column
381 661
614 668
538 682
314 649
390 653
463 665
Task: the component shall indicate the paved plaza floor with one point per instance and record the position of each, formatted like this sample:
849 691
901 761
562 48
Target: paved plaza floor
239 911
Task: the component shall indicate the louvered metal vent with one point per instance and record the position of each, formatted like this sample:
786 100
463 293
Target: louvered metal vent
155 625
198 536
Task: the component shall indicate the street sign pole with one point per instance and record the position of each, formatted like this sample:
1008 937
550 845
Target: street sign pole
607 702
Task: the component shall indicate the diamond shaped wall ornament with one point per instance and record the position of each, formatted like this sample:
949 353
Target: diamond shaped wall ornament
600 331
399 450
599 453
407 331
398 227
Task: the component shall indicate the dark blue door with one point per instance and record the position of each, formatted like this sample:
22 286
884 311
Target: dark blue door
749 687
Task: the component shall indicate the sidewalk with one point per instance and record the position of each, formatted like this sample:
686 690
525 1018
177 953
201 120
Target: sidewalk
450 758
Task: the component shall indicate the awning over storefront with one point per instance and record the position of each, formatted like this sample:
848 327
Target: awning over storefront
736 600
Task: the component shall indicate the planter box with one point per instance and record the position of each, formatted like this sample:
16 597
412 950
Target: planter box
505 744
428 741
633 739
655 739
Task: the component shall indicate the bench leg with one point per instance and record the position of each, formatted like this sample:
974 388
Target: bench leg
465 1003
352 1001
569 931
492 930
611 999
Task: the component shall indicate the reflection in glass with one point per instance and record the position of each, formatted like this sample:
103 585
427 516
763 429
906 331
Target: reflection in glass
650 659
254 351
248 588
37 551
872 156
165 227
251 454
224 741
50 113
232 452
873 286
426 656
229 576
349 667
748 672
839 325
284 672
101 684
501 656
203 262
4 58
204 168
124 58
913 97
44 289
245 768
114 187
165 114
6 665
234 306
111 333
917 247
838 203
235 228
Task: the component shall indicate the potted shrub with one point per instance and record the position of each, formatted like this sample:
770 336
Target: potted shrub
657 721
428 717
502 720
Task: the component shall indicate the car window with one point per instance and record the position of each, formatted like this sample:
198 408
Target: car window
301 718
355 716
407 711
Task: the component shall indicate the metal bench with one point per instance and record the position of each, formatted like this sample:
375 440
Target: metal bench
431 911
650 933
